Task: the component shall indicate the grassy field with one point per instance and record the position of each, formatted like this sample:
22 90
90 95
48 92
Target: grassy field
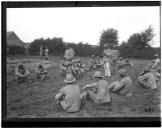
35 99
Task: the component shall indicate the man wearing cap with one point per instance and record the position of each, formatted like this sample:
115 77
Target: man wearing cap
124 86
69 96
98 92
69 55
106 60
41 72
147 79
21 73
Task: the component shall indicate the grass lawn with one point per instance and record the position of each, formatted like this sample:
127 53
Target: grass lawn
35 98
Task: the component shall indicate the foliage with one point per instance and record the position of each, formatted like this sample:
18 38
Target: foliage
139 45
109 36
56 47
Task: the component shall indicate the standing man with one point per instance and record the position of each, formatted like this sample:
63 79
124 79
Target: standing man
114 56
41 51
106 60
69 55
46 53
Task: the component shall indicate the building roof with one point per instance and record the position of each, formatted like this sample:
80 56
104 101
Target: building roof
14 40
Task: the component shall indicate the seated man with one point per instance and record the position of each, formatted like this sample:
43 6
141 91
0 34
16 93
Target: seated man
128 63
156 64
41 72
154 71
92 63
98 62
120 63
98 92
75 69
80 66
69 96
147 79
63 67
21 73
124 86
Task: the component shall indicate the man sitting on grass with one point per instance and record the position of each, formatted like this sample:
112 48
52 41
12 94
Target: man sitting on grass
41 72
99 63
128 63
21 73
80 66
120 63
98 92
92 63
156 66
147 79
75 69
124 85
69 96
156 62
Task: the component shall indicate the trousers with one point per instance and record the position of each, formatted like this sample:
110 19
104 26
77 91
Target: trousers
107 69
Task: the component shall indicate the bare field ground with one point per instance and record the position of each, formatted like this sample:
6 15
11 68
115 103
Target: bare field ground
35 99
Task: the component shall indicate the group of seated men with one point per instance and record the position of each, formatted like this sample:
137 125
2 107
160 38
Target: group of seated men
150 76
71 98
77 67
124 63
22 73
95 62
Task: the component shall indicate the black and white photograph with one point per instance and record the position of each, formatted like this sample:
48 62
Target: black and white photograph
83 62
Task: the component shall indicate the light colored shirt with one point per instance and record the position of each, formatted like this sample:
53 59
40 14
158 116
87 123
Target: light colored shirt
127 84
150 79
114 54
69 54
102 94
72 98
156 63
46 50
107 55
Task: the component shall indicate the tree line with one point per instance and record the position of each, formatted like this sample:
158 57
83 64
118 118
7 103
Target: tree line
137 46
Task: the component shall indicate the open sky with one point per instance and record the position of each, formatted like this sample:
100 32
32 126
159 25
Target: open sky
83 23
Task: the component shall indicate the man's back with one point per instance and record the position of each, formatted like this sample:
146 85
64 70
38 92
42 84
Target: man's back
150 79
72 97
127 82
103 91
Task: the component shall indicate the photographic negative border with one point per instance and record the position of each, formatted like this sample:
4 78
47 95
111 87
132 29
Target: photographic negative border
126 121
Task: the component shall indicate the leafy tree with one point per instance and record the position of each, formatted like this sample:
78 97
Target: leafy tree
147 36
139 45
109 36
142 40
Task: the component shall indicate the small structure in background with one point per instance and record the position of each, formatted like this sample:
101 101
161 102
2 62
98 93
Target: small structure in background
15 45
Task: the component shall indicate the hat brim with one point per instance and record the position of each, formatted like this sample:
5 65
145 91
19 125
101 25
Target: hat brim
70 81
